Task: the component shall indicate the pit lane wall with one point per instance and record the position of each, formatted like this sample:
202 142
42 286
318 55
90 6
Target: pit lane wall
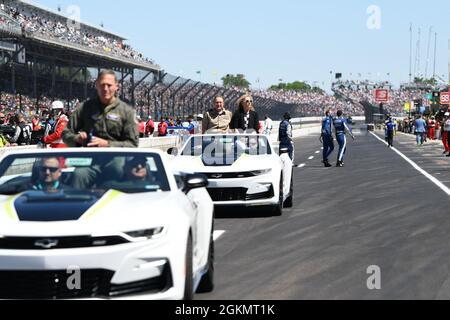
302 127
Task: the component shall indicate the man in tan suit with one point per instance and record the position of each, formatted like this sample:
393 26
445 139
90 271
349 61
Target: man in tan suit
217 120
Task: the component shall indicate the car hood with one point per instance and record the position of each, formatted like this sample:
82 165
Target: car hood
242 164
113 212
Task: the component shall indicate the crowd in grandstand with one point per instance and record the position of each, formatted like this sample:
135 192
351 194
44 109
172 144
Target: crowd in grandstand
58 28
359 91
311 103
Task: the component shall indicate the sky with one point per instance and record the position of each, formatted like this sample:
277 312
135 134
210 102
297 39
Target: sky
269 41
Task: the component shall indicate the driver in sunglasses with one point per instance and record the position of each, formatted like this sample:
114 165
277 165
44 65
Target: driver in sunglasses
49 176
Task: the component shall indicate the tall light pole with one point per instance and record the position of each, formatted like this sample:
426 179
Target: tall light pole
428 52
435 54
410 53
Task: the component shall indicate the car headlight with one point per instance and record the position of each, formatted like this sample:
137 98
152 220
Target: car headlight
261 172
145 234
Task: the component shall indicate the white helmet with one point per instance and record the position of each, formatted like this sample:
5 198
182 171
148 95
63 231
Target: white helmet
57 105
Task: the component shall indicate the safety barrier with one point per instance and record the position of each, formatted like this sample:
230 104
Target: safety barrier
302 127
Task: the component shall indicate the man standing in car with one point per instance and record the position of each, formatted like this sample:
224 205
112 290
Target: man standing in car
217 119
104 121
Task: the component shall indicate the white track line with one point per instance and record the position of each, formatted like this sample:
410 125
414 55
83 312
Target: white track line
310 158
301 166
415 166
217 234
317 152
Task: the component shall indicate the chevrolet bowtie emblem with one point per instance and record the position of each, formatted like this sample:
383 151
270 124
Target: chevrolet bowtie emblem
46 243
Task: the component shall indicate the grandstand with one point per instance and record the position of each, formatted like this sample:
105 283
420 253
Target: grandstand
39 48
45 56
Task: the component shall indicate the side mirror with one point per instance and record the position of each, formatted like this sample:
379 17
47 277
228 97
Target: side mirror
196 181
173 151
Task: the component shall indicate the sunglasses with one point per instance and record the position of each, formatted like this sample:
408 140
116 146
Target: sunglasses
51 169
249 101
136 164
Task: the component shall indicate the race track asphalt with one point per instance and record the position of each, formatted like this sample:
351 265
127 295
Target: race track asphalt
376 211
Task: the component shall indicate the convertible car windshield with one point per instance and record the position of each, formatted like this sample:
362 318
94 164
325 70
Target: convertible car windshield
78 175
227 145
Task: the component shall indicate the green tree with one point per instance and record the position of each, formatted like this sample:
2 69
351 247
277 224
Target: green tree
431 81
238 80
298 86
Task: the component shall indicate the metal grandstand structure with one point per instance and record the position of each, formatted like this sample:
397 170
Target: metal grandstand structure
36 64
34 56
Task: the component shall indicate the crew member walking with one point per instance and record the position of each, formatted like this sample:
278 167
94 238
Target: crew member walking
285 136
391 131
341 127
327 138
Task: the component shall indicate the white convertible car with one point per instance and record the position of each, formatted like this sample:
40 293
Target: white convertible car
106 224
243 170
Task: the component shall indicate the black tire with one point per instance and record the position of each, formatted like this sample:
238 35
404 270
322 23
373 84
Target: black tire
207 282
278 209
189 283
289 201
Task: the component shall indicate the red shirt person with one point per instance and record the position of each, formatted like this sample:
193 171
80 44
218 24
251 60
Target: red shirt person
55 139
162 128
141 128
36 124
150 127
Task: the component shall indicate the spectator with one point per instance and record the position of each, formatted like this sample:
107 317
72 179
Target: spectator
55 138
268 125
141 127
446 133
36 122
162 128
4 143
22 137
149 127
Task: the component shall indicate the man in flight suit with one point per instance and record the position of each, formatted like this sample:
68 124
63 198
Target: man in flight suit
102 122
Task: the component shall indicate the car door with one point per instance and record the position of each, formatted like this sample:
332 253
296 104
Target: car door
203 220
